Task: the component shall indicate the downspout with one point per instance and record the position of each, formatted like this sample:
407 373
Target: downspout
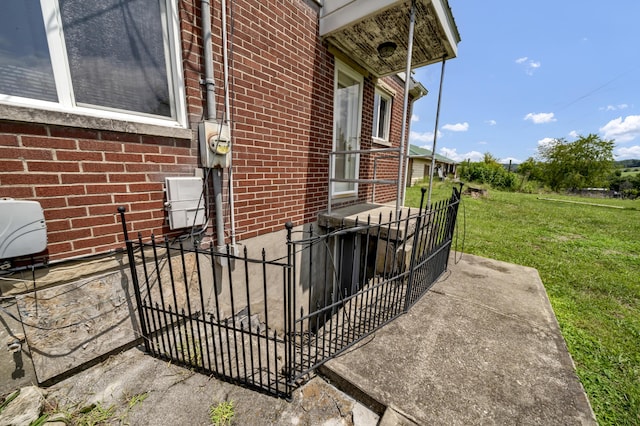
227 118
435 135
209 82
405 107
205 10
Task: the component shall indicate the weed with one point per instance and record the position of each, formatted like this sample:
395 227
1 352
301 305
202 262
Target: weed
222 414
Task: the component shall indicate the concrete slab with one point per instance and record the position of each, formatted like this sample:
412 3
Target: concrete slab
482 347
174 396
16 366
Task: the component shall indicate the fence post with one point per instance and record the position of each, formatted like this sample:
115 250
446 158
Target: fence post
289 320
134 280
414 250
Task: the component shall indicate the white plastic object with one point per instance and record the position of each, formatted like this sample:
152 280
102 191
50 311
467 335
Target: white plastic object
185 202
23 230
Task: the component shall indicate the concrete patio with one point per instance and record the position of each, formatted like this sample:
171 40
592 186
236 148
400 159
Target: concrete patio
482 347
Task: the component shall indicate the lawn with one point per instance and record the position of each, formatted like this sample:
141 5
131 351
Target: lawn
589 260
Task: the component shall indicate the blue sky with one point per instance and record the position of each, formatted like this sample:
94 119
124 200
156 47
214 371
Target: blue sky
527 72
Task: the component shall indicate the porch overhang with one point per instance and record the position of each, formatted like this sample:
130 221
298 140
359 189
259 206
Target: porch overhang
358 28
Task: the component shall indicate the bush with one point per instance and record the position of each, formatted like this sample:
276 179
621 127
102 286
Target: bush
491 173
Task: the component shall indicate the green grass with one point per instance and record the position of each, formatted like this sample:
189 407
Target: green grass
589 260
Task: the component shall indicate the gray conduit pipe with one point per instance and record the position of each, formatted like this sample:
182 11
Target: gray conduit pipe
209 82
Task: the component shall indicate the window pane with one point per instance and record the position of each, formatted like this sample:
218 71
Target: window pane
382 121
25 65
117 55
376 108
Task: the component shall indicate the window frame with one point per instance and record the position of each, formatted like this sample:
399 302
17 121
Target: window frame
62 76
383 94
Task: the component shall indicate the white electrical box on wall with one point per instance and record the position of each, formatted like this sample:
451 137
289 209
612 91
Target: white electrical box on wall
185 202
22 228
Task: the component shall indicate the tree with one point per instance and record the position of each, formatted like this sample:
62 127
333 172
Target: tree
583 163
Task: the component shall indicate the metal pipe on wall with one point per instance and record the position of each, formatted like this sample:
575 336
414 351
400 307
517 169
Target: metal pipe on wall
227 113
211 114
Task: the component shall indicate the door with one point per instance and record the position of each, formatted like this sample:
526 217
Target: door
347 111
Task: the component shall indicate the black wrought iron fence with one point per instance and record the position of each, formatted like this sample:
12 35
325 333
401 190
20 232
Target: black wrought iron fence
265 324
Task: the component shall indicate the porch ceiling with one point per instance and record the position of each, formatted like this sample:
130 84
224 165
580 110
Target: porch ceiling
358 27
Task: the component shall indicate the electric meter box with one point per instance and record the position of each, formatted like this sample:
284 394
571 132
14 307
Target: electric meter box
23 230
215 144
185 202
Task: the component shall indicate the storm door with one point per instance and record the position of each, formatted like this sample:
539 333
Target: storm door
347 111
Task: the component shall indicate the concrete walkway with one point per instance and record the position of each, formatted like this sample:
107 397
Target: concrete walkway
482 347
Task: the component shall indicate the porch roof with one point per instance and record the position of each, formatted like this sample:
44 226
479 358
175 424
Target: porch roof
359 27
418 152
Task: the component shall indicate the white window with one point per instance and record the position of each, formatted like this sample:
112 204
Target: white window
381 116
108 58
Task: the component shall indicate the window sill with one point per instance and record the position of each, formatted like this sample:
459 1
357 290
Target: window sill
379 141
72 119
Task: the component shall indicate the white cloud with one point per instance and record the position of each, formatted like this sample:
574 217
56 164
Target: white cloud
458 127
614 107
417 137
622 130
453 154
545 142
540 118
491 122
631 152
573 134
483 143
414 118
513 160
529 64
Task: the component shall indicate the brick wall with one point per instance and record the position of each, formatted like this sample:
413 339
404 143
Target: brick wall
81 176
282 110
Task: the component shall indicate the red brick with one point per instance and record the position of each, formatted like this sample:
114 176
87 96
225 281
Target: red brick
46 142
52 166
140 187
91 145
166 159
123 158
11 166
73 132
84 178
102 167
52 203
78 156
144 168
130 198
16 192
28 179
126 177
93 221
119 137
22 128
68 235
93 242
58 225
141 148
67 213
89 200
114 229
106 189
26 154
60 191
8 140
103 210
57 250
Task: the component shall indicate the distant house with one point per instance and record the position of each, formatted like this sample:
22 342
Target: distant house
420 160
